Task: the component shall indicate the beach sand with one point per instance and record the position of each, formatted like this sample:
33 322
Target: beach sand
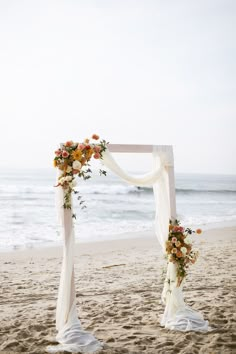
119 284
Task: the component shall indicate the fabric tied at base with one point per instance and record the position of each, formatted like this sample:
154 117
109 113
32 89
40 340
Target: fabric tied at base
74 339
186 320
177 315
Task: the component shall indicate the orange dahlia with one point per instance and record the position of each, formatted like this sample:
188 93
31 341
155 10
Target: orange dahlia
77 154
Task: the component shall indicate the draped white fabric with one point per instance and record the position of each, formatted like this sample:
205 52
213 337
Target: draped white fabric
177 315
158 178
71 336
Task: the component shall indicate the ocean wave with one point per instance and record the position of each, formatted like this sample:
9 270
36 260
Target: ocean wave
218 191
119 189
106 190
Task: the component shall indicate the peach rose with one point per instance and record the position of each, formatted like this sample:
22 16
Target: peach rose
58 152
81 147
69 143
65 154
97 148
178 229
95 136
97 155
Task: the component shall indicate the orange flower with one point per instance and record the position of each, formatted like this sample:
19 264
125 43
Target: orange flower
77 154
198 231
55 163
83 160
95 136
179 254
170 227
89 153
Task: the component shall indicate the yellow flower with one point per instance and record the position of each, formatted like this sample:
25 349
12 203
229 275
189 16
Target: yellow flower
55 163
61 167
77 154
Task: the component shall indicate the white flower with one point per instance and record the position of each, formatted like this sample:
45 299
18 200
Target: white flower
76 165
61 180
68 178
69 169
183 250
187 240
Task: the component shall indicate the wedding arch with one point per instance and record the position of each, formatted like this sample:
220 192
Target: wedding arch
177 315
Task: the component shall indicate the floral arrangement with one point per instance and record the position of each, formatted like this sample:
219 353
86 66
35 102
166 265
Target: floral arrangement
179 248
72 159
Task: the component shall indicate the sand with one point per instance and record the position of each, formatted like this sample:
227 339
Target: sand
118 285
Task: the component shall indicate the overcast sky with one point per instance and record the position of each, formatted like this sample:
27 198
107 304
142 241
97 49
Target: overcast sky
146 72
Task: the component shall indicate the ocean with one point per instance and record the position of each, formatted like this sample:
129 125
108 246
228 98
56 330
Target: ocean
28 215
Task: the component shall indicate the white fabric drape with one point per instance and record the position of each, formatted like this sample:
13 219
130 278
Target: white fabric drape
177 315
158 178
71 336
